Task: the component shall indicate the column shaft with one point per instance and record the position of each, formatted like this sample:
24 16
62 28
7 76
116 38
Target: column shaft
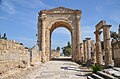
99 56
88 48
107 45
93 53
85 51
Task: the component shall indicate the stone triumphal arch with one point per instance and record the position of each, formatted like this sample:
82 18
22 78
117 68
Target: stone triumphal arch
49 20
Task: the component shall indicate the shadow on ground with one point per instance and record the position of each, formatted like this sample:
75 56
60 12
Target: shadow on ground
78 70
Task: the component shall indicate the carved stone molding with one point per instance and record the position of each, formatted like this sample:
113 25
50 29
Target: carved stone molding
60 10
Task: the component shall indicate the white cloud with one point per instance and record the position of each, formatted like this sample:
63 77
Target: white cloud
3 18
115 17
56 43
32 3
88 31
62 30
25 14
114 28
26 41
44 5
98 9
7 7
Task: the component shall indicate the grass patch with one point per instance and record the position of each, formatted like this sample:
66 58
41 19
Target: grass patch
96 68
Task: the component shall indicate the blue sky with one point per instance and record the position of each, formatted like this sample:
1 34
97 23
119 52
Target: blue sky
18 18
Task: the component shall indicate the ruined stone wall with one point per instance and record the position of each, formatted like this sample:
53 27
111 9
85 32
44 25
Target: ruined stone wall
13 55
55 54
116 53
35 55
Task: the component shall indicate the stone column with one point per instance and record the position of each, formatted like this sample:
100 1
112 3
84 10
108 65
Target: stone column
99 56
85 51
81 53
107 45
113 48
88 48
93 52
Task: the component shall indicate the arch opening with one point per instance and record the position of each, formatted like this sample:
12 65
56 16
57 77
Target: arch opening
65 38
59 39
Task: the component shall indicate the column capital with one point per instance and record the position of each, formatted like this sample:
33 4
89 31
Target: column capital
98 32
108 26
84 40
87 38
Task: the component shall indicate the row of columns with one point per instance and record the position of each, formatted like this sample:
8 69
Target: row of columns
93 51
89 50
107 46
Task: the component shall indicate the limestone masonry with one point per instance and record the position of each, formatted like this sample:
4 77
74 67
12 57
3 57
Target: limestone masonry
14 55
49 20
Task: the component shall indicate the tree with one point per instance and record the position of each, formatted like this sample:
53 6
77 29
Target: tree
64 50
68 44
67 50
53 50
113 35
4 36
21 43
0 36
58 48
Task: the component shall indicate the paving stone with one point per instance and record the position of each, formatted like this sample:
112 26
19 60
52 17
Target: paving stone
54 70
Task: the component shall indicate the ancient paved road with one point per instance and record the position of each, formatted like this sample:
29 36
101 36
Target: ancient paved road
57 70
50 70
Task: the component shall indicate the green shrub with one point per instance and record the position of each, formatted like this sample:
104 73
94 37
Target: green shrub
96 68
